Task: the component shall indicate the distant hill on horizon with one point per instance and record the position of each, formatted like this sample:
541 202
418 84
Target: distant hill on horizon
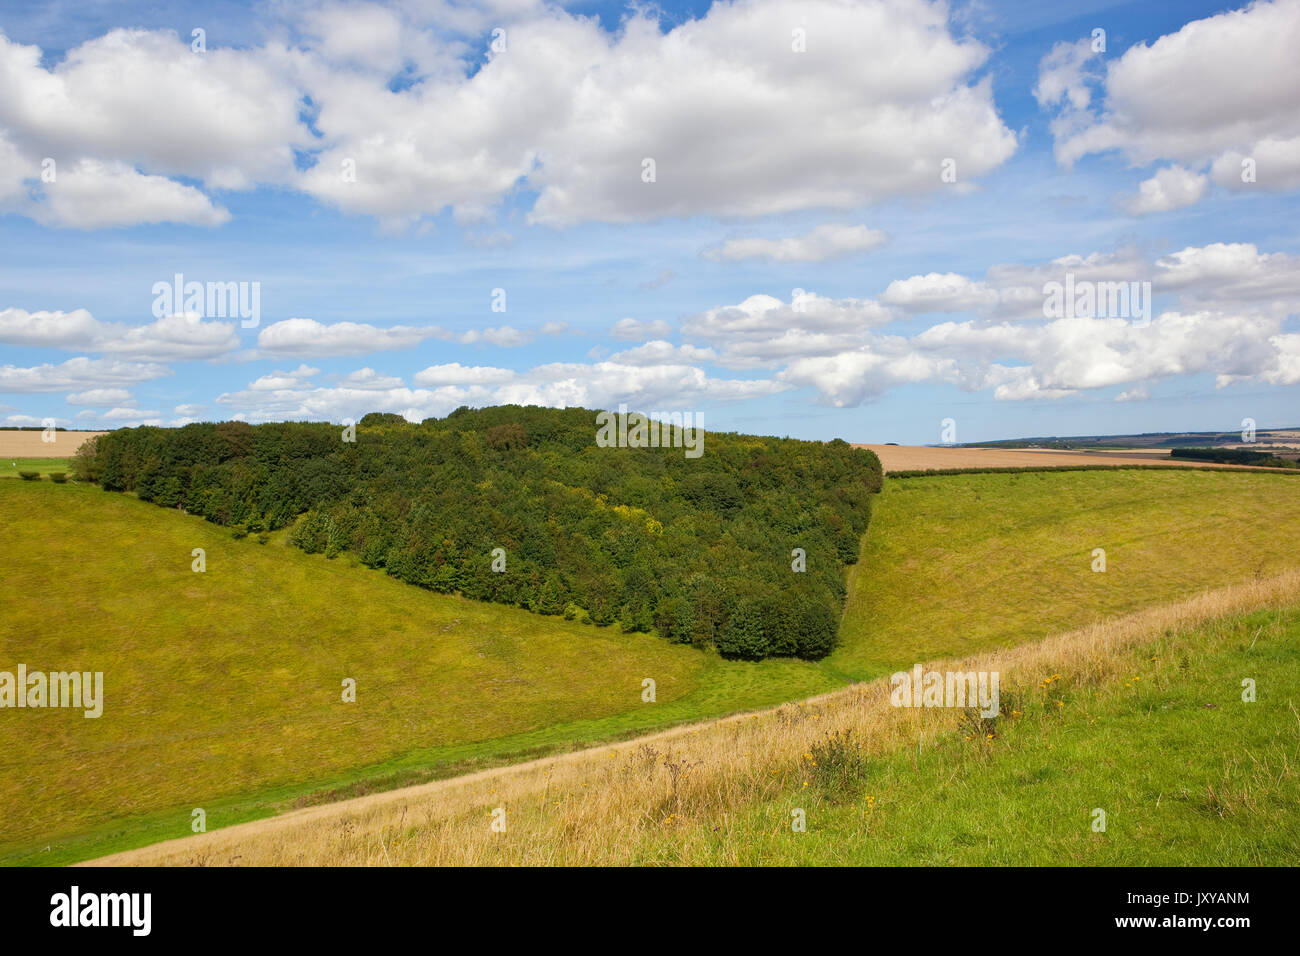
1263 436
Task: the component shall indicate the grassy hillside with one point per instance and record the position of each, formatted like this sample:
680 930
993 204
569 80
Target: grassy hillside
964 563
10 467
1186 772
1142 718
223 688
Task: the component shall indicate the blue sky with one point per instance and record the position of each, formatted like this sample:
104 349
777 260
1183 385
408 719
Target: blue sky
520 171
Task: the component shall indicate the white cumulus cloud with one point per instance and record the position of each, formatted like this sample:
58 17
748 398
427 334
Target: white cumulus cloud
828 241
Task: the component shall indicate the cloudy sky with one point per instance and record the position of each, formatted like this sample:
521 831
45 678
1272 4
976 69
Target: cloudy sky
818 218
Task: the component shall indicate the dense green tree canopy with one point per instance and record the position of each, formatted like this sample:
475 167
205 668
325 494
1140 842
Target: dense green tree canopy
700 550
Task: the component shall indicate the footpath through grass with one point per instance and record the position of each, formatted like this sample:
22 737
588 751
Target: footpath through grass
1167 736
1184 771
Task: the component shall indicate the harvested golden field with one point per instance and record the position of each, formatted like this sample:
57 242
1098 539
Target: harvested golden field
28 444
722 792
922 457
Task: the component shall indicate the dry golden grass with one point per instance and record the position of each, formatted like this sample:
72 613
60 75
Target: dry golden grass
598 806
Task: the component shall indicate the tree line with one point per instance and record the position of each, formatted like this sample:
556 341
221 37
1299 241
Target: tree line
1234 456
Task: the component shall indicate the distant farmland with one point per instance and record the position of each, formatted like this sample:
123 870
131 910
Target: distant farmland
924 457
28 444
